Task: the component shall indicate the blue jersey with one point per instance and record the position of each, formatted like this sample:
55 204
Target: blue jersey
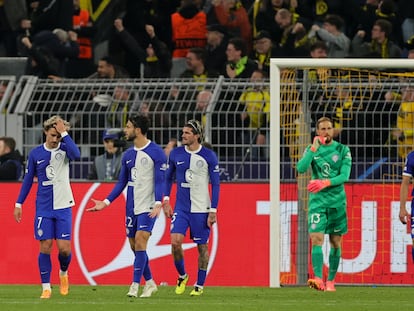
51 166
194 170
409 168
143 171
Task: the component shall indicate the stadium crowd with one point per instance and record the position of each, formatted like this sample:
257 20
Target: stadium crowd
61 39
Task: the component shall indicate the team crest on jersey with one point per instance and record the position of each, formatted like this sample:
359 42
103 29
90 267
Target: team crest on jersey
59 156
199 163
335 158
40 232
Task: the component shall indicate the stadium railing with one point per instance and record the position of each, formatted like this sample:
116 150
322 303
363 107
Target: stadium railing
91 106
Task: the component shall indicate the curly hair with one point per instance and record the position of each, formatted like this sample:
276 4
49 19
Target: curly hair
51 122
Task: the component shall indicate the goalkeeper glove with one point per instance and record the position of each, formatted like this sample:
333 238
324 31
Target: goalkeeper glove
317 185
317 141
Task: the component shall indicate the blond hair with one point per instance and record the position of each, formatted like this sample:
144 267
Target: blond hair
51 122
323 119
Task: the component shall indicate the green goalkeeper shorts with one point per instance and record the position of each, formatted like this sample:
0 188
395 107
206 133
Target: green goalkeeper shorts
328 220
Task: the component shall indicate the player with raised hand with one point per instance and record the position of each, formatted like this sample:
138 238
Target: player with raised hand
49 162
317 141
143 171
331 167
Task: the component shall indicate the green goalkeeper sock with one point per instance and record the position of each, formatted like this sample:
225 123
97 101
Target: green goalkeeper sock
317 260
334 257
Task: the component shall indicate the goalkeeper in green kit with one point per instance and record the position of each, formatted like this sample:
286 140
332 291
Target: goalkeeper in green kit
331 166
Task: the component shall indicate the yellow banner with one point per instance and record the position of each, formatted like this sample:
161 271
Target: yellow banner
87 5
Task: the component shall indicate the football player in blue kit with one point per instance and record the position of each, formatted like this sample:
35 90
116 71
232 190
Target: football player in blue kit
194 167
49 162
143 171
404 215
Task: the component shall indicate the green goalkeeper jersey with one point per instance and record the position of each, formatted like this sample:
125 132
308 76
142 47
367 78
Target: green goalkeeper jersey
331 162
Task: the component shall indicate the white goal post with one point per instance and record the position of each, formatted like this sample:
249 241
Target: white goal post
276 65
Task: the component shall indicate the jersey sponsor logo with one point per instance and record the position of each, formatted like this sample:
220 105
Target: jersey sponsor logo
189 176
50 172
40 161
316 158
180 162
121 257
134 173
128 161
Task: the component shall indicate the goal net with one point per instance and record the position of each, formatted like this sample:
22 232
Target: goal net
371 102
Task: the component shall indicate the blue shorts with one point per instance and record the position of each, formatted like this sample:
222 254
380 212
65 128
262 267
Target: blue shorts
58 226
197 222
141 222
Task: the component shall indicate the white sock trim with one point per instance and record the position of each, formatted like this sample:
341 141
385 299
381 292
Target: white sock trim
46 286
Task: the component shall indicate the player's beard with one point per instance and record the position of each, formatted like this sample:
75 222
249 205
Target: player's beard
130 137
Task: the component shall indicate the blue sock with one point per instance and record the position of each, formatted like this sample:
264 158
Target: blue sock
179 265
139 264
45 266
147 271
64 261
201 277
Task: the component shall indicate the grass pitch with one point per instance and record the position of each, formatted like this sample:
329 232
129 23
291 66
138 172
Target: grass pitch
91 298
